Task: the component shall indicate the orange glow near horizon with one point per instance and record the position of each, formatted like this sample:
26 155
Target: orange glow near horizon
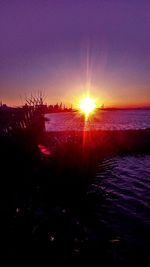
109 101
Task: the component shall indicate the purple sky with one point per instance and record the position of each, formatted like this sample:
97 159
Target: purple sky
67 46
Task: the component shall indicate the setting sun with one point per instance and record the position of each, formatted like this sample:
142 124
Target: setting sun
87 105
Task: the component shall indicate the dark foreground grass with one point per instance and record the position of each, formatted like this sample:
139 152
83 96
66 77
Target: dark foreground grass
47 198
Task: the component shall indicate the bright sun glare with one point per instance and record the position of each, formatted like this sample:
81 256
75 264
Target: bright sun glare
87 105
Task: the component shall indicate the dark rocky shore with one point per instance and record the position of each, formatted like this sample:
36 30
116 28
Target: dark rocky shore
106 142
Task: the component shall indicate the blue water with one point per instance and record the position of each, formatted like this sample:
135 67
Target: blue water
125 209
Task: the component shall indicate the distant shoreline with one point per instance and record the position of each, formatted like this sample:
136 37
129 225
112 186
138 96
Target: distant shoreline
135 108
4 107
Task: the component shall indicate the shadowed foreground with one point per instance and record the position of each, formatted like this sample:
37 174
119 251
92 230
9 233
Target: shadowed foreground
49 198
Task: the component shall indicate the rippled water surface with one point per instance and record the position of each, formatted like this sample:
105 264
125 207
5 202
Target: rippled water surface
126 208
101 120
